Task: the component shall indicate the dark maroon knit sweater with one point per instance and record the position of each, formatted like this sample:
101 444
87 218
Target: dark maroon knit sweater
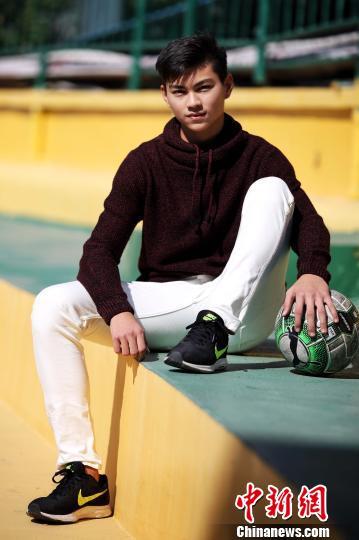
190 200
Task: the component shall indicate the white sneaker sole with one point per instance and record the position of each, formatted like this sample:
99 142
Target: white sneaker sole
219 365
87 512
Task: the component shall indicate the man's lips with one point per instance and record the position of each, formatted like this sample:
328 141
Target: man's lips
196 115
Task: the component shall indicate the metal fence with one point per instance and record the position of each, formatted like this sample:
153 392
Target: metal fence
235 23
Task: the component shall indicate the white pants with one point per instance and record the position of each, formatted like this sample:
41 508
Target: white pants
247 295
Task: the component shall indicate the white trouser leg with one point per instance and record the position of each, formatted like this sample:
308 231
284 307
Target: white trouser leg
251 288
247 295
65 313
57 326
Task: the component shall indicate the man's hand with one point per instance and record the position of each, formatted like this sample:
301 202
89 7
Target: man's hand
128 335
312 292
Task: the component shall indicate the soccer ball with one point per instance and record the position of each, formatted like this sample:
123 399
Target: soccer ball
322 353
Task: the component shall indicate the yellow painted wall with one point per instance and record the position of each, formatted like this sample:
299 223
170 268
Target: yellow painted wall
316 128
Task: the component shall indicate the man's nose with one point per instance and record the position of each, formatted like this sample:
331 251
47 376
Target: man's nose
193 101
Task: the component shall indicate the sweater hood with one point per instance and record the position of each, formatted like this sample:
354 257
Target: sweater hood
209 157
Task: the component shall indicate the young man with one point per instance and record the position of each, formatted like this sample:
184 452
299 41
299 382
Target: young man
220 209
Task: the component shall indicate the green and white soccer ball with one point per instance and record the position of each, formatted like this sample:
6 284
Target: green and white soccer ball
322 353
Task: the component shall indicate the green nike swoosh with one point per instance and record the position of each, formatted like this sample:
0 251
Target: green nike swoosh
209 317
218 353
83 500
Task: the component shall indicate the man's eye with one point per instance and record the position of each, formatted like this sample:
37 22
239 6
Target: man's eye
204 88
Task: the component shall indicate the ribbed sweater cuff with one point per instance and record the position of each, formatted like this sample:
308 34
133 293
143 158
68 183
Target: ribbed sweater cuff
113 307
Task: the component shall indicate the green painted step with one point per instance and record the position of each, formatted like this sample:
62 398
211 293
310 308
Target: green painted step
35 254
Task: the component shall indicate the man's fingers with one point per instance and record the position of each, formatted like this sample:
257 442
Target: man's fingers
298 313
116 345
125 350
127 334
310 316
132 342
313 302
141 345
322 316
132 345
287 306
332 309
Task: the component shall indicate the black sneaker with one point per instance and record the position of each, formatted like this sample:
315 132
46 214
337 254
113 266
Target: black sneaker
78 496
204 349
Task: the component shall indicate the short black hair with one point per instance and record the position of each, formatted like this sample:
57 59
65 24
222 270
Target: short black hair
187 53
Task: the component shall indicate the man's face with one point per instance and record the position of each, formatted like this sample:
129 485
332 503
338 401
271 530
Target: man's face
197 101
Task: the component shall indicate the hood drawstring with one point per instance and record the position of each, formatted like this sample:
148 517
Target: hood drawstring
227 144
196 192
197 189
212 202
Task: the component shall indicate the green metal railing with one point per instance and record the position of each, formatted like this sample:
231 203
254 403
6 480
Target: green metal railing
235 23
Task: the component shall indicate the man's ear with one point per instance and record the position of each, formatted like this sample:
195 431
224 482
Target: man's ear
229 85
164 93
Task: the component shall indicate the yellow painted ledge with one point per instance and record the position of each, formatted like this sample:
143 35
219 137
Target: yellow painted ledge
75 196
333 98
53 192
316 128
174 469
